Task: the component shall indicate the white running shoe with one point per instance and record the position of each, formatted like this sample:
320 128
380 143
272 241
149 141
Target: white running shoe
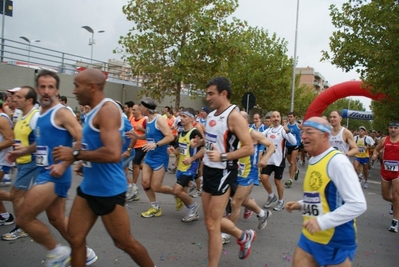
59 260
91 256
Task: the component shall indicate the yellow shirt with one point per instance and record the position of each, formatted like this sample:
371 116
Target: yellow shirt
24 133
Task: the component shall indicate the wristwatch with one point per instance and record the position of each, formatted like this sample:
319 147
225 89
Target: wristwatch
223 157
129 149
76 153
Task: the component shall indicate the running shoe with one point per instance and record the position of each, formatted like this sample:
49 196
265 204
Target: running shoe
390 210
129 193
245 244
263 220
5 182
279 206
270 201
8 221
152 212
91 256
225 238
192 214
179 203
366 185
135 197
196 193
296 175
61 259
394 226
288 184
14 234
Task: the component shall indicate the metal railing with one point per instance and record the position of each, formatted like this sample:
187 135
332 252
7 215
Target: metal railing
36 57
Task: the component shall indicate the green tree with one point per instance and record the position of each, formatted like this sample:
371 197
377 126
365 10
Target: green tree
178 42
366 39
257 62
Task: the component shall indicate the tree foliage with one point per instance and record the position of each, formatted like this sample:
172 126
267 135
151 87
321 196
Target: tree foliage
177 42
366 39
183 42
259 63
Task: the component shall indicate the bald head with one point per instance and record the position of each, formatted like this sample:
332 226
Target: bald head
92 76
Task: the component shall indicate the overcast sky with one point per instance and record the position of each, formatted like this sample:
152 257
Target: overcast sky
57 24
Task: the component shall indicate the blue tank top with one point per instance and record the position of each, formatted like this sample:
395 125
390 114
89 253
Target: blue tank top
101 179
48 136
127 126
296 132
153 135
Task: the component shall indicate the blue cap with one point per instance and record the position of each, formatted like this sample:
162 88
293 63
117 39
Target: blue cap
205 109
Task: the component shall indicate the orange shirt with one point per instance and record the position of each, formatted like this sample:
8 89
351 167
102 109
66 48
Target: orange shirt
170 121
135 123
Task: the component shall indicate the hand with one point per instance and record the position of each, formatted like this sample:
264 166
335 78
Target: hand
171 150
292 205
195 142
57 170
262 163
187 161
126 154
131 134
214 154
11 156
149 146
312 226
63 153
79 169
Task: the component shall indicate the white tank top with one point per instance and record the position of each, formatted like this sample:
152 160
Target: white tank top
217 134
276 135
338 142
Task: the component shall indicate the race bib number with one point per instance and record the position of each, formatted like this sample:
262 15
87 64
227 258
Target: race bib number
210 139
241 168
42 156
87 164
312 204
362 149
150 140
183 149
391 166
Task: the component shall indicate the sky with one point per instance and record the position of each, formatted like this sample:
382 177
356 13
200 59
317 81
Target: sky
57 24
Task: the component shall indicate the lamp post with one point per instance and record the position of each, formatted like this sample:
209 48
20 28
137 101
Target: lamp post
294 63
91 41
29 42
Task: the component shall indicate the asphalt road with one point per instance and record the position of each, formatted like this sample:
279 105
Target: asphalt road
171 242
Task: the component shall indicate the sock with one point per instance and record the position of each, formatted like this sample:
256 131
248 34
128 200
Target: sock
271 195
5 215
155 205
130 185
261 213
281 200
243 236
291 179
55 250
7 176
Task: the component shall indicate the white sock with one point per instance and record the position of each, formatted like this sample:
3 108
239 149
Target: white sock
56 250
271 195
155 205
5 215
261 213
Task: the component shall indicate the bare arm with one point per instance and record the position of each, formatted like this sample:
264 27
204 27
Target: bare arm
261 139
6 132
377 150
353 149
166 131
237 124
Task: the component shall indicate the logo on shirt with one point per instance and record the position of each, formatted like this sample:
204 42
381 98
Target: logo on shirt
315 180
212 123
272 136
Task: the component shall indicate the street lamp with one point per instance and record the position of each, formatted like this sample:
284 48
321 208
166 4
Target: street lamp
294 63
28 41
91 41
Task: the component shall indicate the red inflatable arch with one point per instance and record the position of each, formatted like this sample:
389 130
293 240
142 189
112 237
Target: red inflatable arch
335 92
